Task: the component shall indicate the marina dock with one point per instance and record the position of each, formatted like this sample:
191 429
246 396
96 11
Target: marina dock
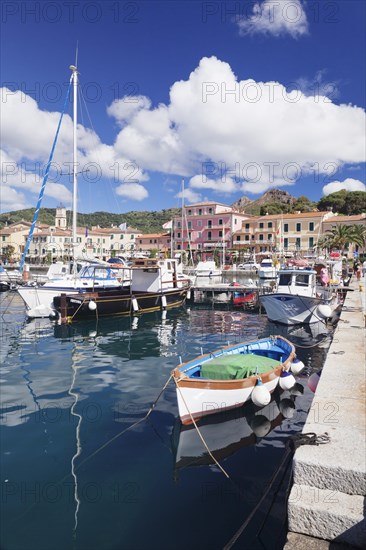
327 500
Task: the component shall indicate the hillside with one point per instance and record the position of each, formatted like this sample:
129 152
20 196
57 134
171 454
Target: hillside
144 221
273 201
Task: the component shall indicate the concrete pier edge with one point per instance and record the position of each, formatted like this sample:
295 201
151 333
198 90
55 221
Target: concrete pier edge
327 499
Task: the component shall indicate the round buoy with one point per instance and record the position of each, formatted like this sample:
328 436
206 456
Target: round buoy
260 425
92 305
296 366
324 311
297 389
287 408
260 395
163 301
92 333
313 381
287 381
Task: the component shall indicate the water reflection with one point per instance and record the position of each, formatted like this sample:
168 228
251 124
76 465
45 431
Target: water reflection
227 432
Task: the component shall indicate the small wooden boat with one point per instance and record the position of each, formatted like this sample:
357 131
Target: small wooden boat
227 378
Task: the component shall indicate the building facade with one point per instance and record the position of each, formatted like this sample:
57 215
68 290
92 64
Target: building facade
205 230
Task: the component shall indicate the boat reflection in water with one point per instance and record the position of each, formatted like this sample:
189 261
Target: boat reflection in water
308 335
227 432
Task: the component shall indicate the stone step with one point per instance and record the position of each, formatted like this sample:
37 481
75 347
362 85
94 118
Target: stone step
328 515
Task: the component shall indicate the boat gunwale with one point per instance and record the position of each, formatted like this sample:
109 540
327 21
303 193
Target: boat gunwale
184 381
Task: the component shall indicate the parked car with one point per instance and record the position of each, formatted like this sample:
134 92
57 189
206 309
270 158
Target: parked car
249 266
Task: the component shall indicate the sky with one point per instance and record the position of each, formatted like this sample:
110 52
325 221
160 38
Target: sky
181 102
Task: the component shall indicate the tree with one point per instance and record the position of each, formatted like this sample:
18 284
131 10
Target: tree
9 251
358 233
340 237
344 202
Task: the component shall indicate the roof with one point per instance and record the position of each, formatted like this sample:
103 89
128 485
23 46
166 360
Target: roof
153 235
354 218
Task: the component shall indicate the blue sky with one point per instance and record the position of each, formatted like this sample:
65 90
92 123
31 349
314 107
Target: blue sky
234 97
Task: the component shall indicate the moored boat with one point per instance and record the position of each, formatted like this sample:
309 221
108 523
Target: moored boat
267 269
155 284
227 378
298 299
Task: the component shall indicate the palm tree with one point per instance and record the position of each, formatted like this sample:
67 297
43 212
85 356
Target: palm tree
341 236
359 235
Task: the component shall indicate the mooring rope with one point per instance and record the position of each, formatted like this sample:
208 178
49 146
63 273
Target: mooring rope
293 443
199 432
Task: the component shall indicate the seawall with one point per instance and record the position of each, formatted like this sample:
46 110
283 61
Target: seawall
327 500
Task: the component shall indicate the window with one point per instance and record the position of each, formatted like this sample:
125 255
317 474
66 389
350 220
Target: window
178 225
121 236
131 237
311 226
199 223
112 237
269 236
189 225
189 212
285 243
200 211
178 235
298 243
209 224
285 227
238 237
220 234
261 237
269 225
298 227
150 241
247 226
210 210
311 242
220 221
247 237
261 225
209 236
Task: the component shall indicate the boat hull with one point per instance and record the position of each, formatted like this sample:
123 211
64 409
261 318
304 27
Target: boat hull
93 305
292 309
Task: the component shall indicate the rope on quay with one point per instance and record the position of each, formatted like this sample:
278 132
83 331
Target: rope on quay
293 443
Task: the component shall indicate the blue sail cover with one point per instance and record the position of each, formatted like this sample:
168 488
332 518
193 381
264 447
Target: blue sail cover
45 178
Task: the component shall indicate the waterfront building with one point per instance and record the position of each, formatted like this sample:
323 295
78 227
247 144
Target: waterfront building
158 242
205 230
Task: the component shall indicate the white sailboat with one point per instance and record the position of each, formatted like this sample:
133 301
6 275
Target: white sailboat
97 275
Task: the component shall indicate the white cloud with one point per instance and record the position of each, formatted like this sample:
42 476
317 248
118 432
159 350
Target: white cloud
27 136
253 134
226 185
132 191
348 184
276 18
223 134
189 196
124 109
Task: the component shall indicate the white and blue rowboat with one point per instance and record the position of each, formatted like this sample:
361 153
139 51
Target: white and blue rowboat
231 376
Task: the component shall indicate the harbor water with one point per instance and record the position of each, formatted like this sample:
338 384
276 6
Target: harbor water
77 472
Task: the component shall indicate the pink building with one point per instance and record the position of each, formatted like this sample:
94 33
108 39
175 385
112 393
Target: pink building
205 230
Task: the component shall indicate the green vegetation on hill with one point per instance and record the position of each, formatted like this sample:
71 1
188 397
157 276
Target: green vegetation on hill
342 202
145 222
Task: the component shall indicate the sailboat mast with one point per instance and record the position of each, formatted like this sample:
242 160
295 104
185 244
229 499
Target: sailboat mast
74 165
